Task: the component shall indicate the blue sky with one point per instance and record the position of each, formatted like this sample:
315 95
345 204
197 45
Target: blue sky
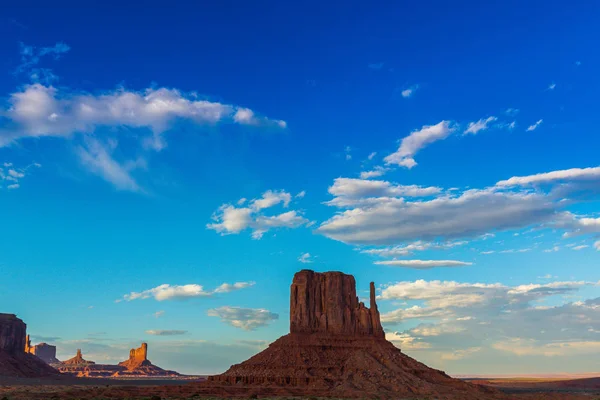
164 172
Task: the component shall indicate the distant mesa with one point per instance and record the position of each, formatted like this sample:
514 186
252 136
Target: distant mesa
43 351
137 365
15 358
336 348
78 360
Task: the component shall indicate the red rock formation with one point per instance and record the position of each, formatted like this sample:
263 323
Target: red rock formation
77 360
43 351
14 361
327 303
336 348
139 365
137 357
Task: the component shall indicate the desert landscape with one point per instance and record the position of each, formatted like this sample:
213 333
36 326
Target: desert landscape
311 200
336 348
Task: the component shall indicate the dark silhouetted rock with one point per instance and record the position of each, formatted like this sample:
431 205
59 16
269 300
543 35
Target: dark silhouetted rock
14 361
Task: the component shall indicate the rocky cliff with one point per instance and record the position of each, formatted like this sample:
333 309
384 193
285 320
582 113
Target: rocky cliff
12 334
14 361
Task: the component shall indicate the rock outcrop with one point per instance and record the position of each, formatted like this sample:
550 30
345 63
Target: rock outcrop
137 357
43 351
137 365
14 361
78 360
327 303
336 348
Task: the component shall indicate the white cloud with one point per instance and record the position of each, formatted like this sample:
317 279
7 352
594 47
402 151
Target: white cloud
350 191
271 198
372 155
245 318
400 251
552 249
423 264
573 174
576 226
301 194
552 86
180 292
535 126
374 212
159 332
13 175
233 220
410 145
159 314
388 220
481 125
597 245
580 247
245 116
406 93
511 112
374 173
405 341
305 258
41 110
228 287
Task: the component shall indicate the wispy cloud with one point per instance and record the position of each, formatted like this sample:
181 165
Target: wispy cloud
410 145
159 332
180 292
535 126
408 92
481 125
244 318
423 264
31 56
305 258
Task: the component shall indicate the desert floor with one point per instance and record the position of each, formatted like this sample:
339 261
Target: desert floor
96 389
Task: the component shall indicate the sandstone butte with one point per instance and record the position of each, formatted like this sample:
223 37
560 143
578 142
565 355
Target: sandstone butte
336 348
14 360
137 365
43 351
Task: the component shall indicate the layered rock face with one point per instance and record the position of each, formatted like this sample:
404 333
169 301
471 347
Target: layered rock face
137 357
336 348
12 334
14 361
43 351
327 303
